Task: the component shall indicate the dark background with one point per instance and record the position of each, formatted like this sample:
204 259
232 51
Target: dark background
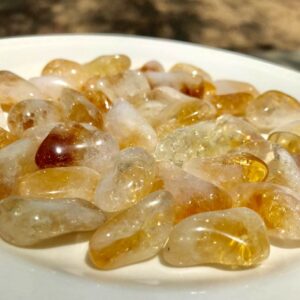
265 28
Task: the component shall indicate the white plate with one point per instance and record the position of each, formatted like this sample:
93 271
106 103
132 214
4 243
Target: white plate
62 272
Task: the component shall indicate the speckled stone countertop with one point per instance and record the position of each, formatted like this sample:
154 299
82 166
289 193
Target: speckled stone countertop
268 29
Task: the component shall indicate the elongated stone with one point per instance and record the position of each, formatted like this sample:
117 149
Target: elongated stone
235 237
16 159
208 138
14 89
33 112
127 182
28 221
192 195
78 109
278 206
135 235
228 169
75 144
56 183
129 127
272 109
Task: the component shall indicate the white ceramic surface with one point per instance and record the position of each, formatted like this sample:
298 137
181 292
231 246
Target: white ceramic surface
62 272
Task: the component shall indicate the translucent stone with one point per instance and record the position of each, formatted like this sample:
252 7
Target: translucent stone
181 81
6 138
235 237
63 182
78 109
207 138
33 112
234 104
16 159
135 235
182 114
130 129
228 169
192 195
50 86
127 182
190 69
278 206
75 144
14 89
105 91
152 65
225 87
28 221
107 65
68 70
287 136
283 170
272 109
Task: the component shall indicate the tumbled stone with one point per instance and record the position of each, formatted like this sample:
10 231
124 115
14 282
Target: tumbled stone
181 81
192 195
104 92
33 112
68 70
182 114
135 235
78 109
278 206
28 221
272 109
51 86
234 104
152 65
287 136
234 237
75 144
16 159
283 169
225 87
190 69
207 138
106 65
63 182
127 182
14 89
129 128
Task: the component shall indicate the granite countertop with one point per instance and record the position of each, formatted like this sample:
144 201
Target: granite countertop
268 29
